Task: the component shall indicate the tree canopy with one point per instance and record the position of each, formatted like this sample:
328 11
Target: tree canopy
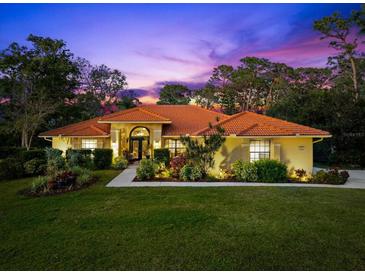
175 94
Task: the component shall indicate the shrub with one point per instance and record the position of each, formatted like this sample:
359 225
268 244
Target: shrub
83 179
77 170
84 175
103 158
55 161
245 171
39 154
190 173
35 167
79 157
146 169
300 173
11 168
202 152
40 184
177 164
271 171
345 175
120 163
333 176
162 155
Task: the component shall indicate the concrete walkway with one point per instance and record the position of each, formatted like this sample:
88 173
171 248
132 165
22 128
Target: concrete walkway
125 179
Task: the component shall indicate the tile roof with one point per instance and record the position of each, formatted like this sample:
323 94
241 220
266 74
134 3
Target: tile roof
134 115
253 124
86 128
187 119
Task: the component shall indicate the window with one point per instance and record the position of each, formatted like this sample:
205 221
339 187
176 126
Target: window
175 146
140 132
259 149
89 143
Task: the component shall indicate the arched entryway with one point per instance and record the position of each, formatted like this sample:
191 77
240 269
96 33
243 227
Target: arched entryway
139 143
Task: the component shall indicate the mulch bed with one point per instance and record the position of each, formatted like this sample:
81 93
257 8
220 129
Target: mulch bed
27 192
178 180
211 181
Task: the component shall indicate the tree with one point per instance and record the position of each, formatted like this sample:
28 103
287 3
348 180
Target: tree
206 97
34 82
174 95
201 152
359 18
105 83
338 30
128 100
221 81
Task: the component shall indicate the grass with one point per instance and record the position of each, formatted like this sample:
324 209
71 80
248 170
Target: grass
233 228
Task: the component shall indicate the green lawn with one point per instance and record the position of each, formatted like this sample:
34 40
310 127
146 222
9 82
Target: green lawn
233 228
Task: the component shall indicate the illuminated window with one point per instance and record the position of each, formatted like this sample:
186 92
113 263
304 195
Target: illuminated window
259 149
175 146
89 143
140 132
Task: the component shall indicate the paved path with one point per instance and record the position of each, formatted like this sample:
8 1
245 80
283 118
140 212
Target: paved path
125 179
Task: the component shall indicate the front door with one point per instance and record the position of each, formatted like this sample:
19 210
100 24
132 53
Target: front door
139 143
136 148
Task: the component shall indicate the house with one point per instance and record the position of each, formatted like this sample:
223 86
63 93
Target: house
136 132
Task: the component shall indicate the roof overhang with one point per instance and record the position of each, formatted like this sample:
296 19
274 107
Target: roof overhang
135 122
74 136
257 136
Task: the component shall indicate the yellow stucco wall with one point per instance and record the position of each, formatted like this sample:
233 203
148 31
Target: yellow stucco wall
125 129
294 152
64 143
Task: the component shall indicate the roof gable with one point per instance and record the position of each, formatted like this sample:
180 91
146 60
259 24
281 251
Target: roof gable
185 119
137 114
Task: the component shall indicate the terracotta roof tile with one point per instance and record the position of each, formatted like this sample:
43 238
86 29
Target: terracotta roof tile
134 115
186 119
86 128
253 124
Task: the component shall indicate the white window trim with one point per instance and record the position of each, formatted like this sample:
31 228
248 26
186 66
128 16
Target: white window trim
261 149
89 143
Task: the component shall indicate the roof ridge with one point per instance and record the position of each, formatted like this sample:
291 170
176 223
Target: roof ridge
267 123
98 129
285 121
152 113
229 118
248 128
209 110
120 111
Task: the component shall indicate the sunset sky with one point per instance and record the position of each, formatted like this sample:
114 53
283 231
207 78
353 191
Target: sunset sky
155 44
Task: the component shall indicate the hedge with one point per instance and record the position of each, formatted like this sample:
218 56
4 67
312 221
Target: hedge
103 158
14 152
39 154
79 157
162 155
11 168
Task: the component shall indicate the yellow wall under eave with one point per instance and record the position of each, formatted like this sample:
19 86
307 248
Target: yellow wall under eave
64 143
61 143
295 152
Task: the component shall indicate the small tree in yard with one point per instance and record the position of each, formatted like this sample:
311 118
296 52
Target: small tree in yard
201 153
